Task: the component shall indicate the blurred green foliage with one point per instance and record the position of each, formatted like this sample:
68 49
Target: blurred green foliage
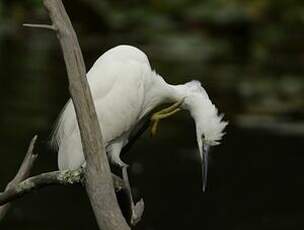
231 44
35 3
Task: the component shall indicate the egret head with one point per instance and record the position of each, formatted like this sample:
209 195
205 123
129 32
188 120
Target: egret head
208 122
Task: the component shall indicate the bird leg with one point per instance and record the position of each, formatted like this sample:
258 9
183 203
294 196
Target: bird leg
127 182
138 208
164 113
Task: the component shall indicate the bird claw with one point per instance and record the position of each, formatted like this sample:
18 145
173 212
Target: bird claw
164 113
154 123
137 209
137 212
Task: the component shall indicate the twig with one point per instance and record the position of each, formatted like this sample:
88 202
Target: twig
41 26
23 173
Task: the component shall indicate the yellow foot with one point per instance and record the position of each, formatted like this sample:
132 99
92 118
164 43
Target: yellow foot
164 113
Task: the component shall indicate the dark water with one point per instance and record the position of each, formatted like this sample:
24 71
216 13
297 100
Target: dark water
255 177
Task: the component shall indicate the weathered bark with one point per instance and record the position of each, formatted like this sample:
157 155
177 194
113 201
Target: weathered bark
98 181
66 177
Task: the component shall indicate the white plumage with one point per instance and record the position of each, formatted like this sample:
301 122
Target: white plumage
125 90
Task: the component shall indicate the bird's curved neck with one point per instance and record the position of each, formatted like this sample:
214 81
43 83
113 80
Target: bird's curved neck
160 92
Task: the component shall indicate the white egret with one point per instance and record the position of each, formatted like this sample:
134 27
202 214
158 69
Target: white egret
125 90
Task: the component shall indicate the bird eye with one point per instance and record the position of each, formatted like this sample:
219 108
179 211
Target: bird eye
203 136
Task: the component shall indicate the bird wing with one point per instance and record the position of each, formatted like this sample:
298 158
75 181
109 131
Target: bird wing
120 109
136 133
116 84
118 96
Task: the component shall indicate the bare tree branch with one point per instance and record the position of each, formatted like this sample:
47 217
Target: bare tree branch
23 173
40 181
99 184
67 177
22 185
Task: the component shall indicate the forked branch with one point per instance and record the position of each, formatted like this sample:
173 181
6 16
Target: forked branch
22 174
22 185
96 176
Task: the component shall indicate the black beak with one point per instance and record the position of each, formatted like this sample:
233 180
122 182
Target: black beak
205 151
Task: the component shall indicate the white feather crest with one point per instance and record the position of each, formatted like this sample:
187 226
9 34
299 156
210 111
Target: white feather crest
208 121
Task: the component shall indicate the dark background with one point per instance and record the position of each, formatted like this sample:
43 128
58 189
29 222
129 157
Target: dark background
249 56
